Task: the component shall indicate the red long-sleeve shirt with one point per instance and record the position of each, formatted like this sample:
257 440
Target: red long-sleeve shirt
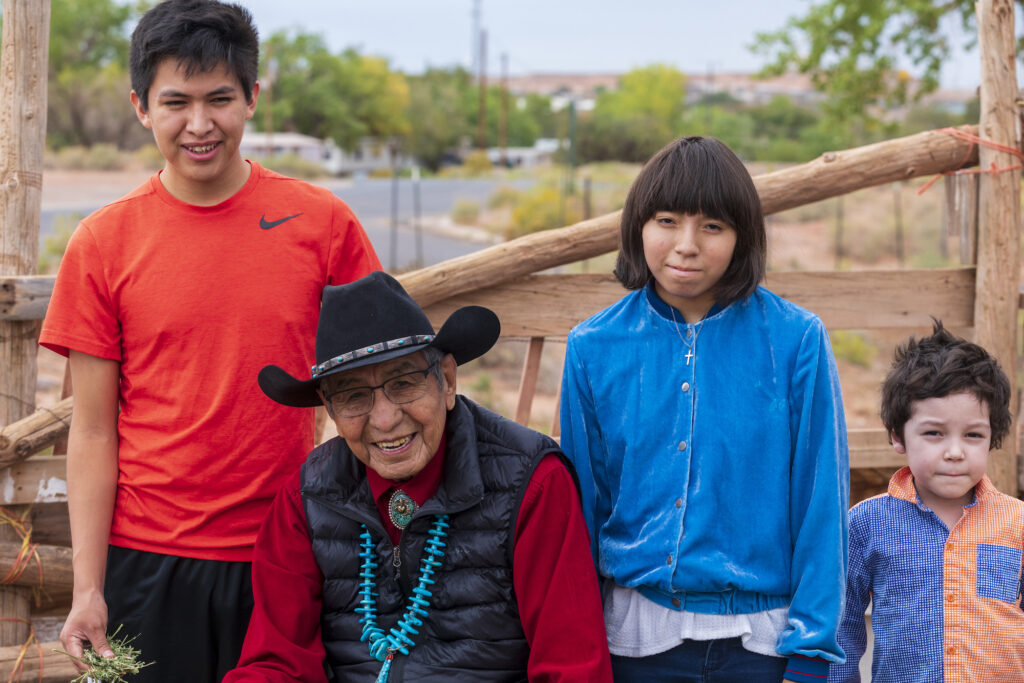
553 575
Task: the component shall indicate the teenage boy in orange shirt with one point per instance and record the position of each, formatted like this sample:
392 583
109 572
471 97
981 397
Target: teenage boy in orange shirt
168 302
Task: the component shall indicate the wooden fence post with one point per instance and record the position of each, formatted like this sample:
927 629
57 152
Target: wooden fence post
23 77
998 280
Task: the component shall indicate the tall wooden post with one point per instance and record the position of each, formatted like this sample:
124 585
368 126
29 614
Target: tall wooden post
995 308
23 73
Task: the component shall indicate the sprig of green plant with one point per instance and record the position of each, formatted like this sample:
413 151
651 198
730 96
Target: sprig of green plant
125 661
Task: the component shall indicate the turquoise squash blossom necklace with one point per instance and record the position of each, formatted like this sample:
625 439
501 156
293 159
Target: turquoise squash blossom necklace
383 646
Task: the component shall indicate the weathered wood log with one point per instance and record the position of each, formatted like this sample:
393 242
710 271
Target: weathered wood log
831 175
995 311
55 668
28 436
54 563
50 523
960 214
25 297
40 479
536 305
23 56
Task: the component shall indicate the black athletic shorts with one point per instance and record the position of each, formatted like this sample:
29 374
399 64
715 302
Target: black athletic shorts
189 615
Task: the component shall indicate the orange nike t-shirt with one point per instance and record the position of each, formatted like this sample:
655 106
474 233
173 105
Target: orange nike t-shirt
193 302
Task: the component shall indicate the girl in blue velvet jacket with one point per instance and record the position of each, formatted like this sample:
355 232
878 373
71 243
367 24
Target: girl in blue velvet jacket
704 418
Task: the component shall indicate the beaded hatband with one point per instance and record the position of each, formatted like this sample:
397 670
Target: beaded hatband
383 646
404 342
401 508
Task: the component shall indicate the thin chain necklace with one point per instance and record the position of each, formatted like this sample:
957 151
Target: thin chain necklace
690 346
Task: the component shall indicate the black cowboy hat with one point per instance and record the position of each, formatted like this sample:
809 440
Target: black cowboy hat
373 320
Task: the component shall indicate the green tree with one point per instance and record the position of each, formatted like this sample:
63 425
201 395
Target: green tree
634 121
781 118
344 96
88 85
538 109
438 101
853 50
525 123
733 126
444 113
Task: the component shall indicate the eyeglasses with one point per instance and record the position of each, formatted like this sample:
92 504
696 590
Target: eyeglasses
403 388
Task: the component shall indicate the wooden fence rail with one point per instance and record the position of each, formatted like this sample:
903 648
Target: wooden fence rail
38 431
831 175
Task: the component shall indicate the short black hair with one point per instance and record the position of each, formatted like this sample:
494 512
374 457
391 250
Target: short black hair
694 175
201 35
939 365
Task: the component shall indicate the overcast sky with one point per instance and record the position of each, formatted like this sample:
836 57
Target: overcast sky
581 36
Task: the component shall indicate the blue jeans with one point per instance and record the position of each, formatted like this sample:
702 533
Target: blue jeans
701 661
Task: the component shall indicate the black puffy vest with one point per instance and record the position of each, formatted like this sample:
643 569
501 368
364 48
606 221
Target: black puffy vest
473 632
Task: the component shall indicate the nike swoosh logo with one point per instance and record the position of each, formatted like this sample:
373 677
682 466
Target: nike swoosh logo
267 225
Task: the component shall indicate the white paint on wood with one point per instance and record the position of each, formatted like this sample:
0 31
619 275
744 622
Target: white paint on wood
52 490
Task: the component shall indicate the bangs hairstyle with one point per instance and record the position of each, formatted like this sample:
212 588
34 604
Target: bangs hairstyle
696 175
201 35
939 365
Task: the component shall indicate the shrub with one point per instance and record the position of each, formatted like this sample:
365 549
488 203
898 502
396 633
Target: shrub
541 208
504 196
294 166
481 389
477 163
148 157
853 347
466 212
56 244
103 157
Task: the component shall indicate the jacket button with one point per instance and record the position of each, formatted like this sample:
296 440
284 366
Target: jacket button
668 560
950 598
682 445
676 602
950 650
686 387
679 502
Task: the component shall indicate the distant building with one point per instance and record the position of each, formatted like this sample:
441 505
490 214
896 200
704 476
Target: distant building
370 155
749 89
563 88
584 88
950 101
525 157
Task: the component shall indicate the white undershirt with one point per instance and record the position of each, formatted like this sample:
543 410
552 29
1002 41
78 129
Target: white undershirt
638 627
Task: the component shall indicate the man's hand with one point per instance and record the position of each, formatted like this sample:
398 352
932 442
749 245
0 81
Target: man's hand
86 623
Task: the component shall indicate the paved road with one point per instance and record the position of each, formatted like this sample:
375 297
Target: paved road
370 199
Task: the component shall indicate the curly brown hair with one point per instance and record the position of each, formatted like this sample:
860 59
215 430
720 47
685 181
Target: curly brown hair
939 365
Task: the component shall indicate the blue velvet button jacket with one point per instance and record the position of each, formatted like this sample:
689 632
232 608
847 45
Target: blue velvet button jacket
713 459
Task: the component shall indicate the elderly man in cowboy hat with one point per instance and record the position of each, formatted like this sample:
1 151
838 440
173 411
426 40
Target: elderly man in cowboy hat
433 540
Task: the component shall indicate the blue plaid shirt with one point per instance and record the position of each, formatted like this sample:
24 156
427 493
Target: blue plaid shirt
946 604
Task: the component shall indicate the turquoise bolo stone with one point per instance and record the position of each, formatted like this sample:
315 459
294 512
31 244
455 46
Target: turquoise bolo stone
401 508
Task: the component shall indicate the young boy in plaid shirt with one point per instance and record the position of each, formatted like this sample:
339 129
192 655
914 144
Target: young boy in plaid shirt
939 555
